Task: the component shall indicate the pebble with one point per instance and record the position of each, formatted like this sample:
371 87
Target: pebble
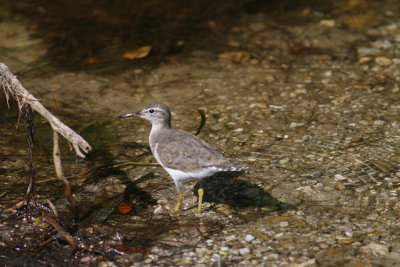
230 238
209 242
284 161
148 260
383 61
86 259
339 177
106 264
329 23
319 186
223 253
261 250
364 60
375 248
249 238
224 248
273 257
394 256
317 174
200 252
295 124
283 224
244 251
379 122
309 262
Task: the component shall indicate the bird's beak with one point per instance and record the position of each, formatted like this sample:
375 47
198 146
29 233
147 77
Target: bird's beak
136 114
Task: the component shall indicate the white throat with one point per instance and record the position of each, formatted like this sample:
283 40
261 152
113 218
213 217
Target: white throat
155 128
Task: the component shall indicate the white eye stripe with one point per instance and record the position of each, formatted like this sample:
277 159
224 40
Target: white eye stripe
152 110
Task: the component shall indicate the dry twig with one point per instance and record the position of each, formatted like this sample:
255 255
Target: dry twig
61 233
12 86
60 174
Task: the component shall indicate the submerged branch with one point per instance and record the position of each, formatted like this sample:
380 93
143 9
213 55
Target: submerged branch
12 86
61 233
60 174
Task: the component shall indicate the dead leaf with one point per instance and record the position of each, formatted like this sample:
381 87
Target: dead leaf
239 56
91 60
140 52
124 208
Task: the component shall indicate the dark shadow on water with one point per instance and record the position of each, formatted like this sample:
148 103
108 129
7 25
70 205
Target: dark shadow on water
94 34
226 188
102 206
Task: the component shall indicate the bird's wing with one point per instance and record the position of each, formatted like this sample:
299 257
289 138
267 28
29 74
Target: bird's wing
186 152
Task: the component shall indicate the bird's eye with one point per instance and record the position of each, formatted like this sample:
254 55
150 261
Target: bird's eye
151 110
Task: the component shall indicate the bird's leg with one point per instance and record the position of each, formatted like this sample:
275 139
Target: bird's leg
200 191
177 208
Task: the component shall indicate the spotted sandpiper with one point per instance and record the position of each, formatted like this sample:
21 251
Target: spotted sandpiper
183 155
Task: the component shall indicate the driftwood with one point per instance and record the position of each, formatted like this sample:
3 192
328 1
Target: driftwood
12 86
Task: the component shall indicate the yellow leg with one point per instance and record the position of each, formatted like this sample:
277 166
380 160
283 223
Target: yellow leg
200 201
177 208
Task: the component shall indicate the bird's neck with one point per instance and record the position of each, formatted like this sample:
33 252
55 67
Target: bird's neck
156 128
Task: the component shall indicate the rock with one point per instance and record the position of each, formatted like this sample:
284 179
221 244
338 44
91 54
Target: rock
394 256
319 186
230 238
383 61
185 262
273 257
376 249
249 238
284 161
339 177
244 251
223 253
200 252
86 259
317 174
257 26
237 57
283 224
261 250
148 260
295 124
339 256
364 60
329 23
308 263
379 122
106 264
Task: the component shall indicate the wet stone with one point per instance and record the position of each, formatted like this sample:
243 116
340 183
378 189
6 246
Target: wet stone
244 251
249 238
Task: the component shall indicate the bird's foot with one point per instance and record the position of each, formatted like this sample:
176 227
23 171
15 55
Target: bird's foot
200 201
178 205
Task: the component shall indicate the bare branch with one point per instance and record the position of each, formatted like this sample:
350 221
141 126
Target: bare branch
60 174
12 86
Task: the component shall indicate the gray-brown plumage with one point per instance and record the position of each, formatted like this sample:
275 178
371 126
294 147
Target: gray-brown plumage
183 155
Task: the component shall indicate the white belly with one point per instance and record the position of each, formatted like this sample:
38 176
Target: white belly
180 176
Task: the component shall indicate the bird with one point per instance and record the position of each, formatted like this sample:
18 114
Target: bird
183 155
